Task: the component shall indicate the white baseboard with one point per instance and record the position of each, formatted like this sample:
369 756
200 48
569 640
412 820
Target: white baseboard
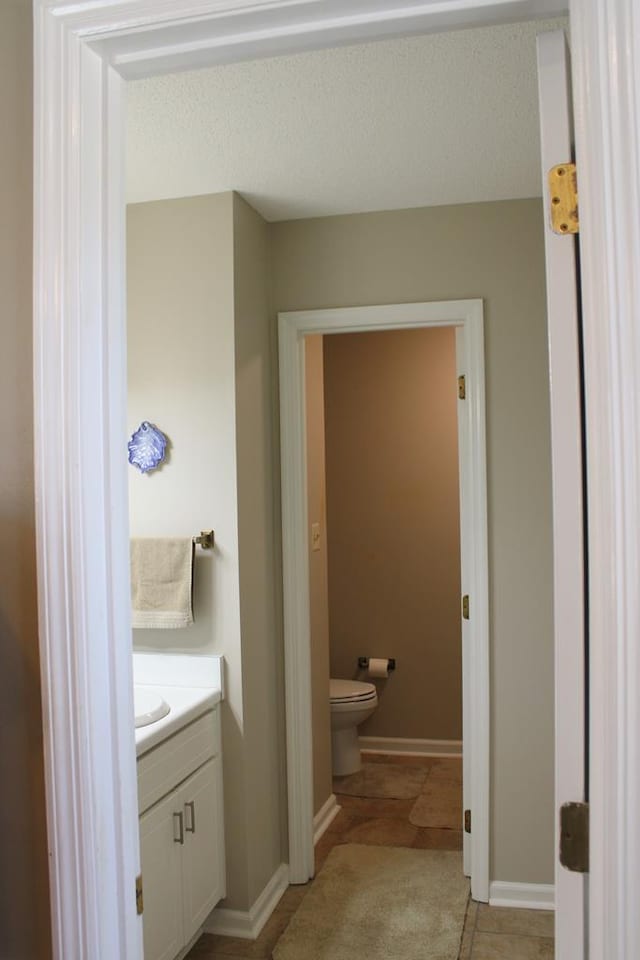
530 896
325 817
248 923
413 748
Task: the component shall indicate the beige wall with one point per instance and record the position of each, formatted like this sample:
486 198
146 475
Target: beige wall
24 903
199 346
260 565
493 251
394 526
318 573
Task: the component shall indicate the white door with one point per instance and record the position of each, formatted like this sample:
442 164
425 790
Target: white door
567 469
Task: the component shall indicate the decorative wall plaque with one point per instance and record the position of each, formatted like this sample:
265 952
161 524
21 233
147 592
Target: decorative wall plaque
147 447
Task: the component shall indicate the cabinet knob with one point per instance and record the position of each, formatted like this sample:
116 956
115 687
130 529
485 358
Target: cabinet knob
180 819
190 822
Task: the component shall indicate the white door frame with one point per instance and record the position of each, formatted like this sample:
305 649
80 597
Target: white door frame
556 143
84 50
467 317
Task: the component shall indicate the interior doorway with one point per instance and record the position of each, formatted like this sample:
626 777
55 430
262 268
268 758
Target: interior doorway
467 318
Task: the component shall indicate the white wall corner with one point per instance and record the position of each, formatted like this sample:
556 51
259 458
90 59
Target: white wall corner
526 896
325 817
248 924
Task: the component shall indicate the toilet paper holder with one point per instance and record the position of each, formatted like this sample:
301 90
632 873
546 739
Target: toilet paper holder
363 663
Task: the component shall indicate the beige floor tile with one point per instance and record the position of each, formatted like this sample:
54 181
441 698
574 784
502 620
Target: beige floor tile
382 781
343 822
383 832
376 808
323 848
471 914
500 946
466 945
439 805
468 930
400 758
211 947
449 768
529 923
429 838
490 933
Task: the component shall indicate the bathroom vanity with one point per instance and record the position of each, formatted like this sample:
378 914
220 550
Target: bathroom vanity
180 800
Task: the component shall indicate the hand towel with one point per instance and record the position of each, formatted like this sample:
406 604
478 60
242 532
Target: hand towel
161 583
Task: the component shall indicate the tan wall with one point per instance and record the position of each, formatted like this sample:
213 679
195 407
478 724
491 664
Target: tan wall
24 901
318 573
393 516
493 251
198 337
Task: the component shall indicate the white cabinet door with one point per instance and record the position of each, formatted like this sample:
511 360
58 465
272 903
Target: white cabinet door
203 870
161 858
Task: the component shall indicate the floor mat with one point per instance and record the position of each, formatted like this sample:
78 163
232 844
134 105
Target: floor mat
380 903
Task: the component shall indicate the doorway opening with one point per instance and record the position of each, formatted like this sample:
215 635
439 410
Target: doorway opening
466 317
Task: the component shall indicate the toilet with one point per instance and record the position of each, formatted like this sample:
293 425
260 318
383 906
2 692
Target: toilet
352 702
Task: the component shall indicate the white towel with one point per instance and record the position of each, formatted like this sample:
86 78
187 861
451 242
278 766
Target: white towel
161 583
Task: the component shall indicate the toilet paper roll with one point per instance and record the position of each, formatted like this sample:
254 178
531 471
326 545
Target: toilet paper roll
378 668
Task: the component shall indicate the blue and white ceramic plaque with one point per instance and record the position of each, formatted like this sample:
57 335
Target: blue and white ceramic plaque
147 447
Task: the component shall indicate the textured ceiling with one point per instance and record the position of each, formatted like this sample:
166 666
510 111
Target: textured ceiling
422 121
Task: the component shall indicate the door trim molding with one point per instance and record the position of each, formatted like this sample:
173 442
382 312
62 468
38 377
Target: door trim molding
467 317
606 57
79 373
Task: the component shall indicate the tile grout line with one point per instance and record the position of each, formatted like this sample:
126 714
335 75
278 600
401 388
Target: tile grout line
473 934
517 936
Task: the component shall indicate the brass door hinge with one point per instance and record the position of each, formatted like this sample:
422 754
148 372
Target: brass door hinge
139 899
467 821
465 606
574 837
462 387
563 193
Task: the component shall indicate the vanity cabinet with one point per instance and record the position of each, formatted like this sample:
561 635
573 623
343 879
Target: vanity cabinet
181 837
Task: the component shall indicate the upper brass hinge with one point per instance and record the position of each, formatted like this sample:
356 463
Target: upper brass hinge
462 387
139 899
563 193
465 606
574 837
467 821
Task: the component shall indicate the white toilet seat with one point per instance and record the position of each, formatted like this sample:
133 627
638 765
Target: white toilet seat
350 691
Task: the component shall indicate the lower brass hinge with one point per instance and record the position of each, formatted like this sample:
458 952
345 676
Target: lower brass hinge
465 606
467 821
139 900
563 193
462 387
574 837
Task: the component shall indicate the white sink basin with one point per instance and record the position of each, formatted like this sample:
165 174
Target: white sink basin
149 706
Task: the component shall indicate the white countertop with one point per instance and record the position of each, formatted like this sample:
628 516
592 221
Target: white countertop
190 685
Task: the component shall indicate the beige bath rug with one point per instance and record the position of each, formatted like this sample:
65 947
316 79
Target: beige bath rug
439 805
383 781
380 903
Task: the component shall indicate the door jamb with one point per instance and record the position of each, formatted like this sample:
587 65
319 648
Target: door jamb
79 421
467 317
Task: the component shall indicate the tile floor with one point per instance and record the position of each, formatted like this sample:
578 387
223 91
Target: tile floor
490 933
